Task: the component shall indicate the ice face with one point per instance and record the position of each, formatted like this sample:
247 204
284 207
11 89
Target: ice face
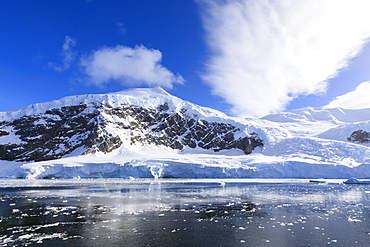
156 170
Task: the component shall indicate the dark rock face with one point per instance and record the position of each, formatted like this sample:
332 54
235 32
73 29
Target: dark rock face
50 135
360 136
58 132
180 129
4 133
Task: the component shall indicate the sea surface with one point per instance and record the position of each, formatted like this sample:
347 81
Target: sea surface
179 212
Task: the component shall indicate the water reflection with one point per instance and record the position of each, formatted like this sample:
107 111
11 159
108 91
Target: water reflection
183 213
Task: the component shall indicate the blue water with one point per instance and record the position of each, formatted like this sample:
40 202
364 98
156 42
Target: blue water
115 212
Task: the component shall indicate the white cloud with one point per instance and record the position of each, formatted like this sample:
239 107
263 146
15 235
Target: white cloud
67 53
357 99
121 28
130 66
264 53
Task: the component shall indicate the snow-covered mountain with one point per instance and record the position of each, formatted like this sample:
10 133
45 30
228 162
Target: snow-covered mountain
101 123
150 133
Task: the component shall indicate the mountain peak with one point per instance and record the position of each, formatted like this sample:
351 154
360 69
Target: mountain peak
145 97
137 91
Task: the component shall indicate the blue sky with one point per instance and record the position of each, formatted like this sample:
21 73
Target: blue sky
243 57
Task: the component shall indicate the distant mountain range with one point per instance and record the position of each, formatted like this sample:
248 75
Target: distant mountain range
150 133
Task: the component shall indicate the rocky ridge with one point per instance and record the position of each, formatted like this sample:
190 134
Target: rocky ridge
359 136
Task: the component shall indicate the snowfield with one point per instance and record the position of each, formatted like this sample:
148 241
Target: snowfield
304 143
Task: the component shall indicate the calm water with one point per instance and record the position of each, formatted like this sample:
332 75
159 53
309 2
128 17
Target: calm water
117 212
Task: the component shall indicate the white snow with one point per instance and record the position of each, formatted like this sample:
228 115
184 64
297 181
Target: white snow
303 143
144 97
154 161
11 138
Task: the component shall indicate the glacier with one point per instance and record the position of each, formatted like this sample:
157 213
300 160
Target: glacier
303 143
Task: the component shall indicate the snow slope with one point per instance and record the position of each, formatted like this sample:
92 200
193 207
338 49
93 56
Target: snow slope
303 143
142 97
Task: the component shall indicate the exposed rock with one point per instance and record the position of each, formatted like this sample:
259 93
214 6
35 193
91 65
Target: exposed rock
360 136
103 128
51 135
3 133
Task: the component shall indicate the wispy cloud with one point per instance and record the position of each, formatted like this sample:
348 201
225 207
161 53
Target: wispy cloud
356 99
67 53
130 66
121 28
265 53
